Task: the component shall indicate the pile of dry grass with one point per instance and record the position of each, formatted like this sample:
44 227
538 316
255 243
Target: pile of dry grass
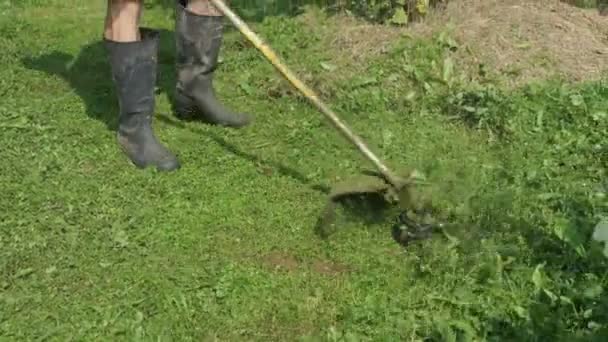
528 40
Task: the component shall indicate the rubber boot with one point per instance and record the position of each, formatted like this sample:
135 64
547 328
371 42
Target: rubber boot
198 41
134 66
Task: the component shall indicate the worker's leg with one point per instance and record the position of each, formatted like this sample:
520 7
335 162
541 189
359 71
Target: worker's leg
133 58
198 35
203 7
122 20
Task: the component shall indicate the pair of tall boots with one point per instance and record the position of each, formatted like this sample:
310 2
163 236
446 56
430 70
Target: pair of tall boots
134 71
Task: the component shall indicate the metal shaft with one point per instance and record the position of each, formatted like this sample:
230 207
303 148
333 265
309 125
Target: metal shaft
309 93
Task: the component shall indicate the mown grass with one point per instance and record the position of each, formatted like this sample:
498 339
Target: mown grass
94 249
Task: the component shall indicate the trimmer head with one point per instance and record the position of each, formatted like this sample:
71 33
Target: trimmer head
414 222
407 230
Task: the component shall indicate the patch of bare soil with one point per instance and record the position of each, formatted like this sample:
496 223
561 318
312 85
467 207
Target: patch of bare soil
525 40
280 262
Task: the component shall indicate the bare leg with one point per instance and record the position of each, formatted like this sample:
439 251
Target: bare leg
203 7
122 20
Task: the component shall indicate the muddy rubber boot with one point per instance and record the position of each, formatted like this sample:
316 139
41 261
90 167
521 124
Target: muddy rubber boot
133 67
198 40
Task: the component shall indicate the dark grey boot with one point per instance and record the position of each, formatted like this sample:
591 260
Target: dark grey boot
134 66
198 41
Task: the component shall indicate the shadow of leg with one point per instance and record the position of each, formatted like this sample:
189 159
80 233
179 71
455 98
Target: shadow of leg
272 166
166 64
88 74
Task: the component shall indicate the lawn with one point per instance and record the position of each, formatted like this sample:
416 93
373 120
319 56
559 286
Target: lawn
92 248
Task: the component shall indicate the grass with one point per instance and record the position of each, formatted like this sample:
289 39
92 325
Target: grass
93 249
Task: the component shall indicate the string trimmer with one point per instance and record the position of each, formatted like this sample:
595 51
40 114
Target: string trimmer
397 189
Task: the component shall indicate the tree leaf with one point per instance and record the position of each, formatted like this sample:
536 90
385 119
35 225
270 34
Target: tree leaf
521 312
121 238
566 300
422 6
577 100
400 17
448 69
550 294
246 88
569 233
328 66
600 234
537 277
24 272
593 291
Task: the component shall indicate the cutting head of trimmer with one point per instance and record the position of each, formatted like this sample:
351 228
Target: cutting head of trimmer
405 194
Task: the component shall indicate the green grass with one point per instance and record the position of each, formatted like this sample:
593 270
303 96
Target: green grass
93 249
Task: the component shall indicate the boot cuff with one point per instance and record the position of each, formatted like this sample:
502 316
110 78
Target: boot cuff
181 7
145 48
148 35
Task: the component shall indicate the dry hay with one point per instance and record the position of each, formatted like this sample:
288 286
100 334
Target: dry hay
529 39
526 40
353 40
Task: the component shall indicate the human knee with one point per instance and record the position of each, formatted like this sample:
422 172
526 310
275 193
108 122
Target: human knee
202 7
122 19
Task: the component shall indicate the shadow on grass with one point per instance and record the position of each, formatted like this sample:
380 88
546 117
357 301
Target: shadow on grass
88 74
369 209
231 148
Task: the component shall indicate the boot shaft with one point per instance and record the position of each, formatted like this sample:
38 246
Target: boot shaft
134 66
198 39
